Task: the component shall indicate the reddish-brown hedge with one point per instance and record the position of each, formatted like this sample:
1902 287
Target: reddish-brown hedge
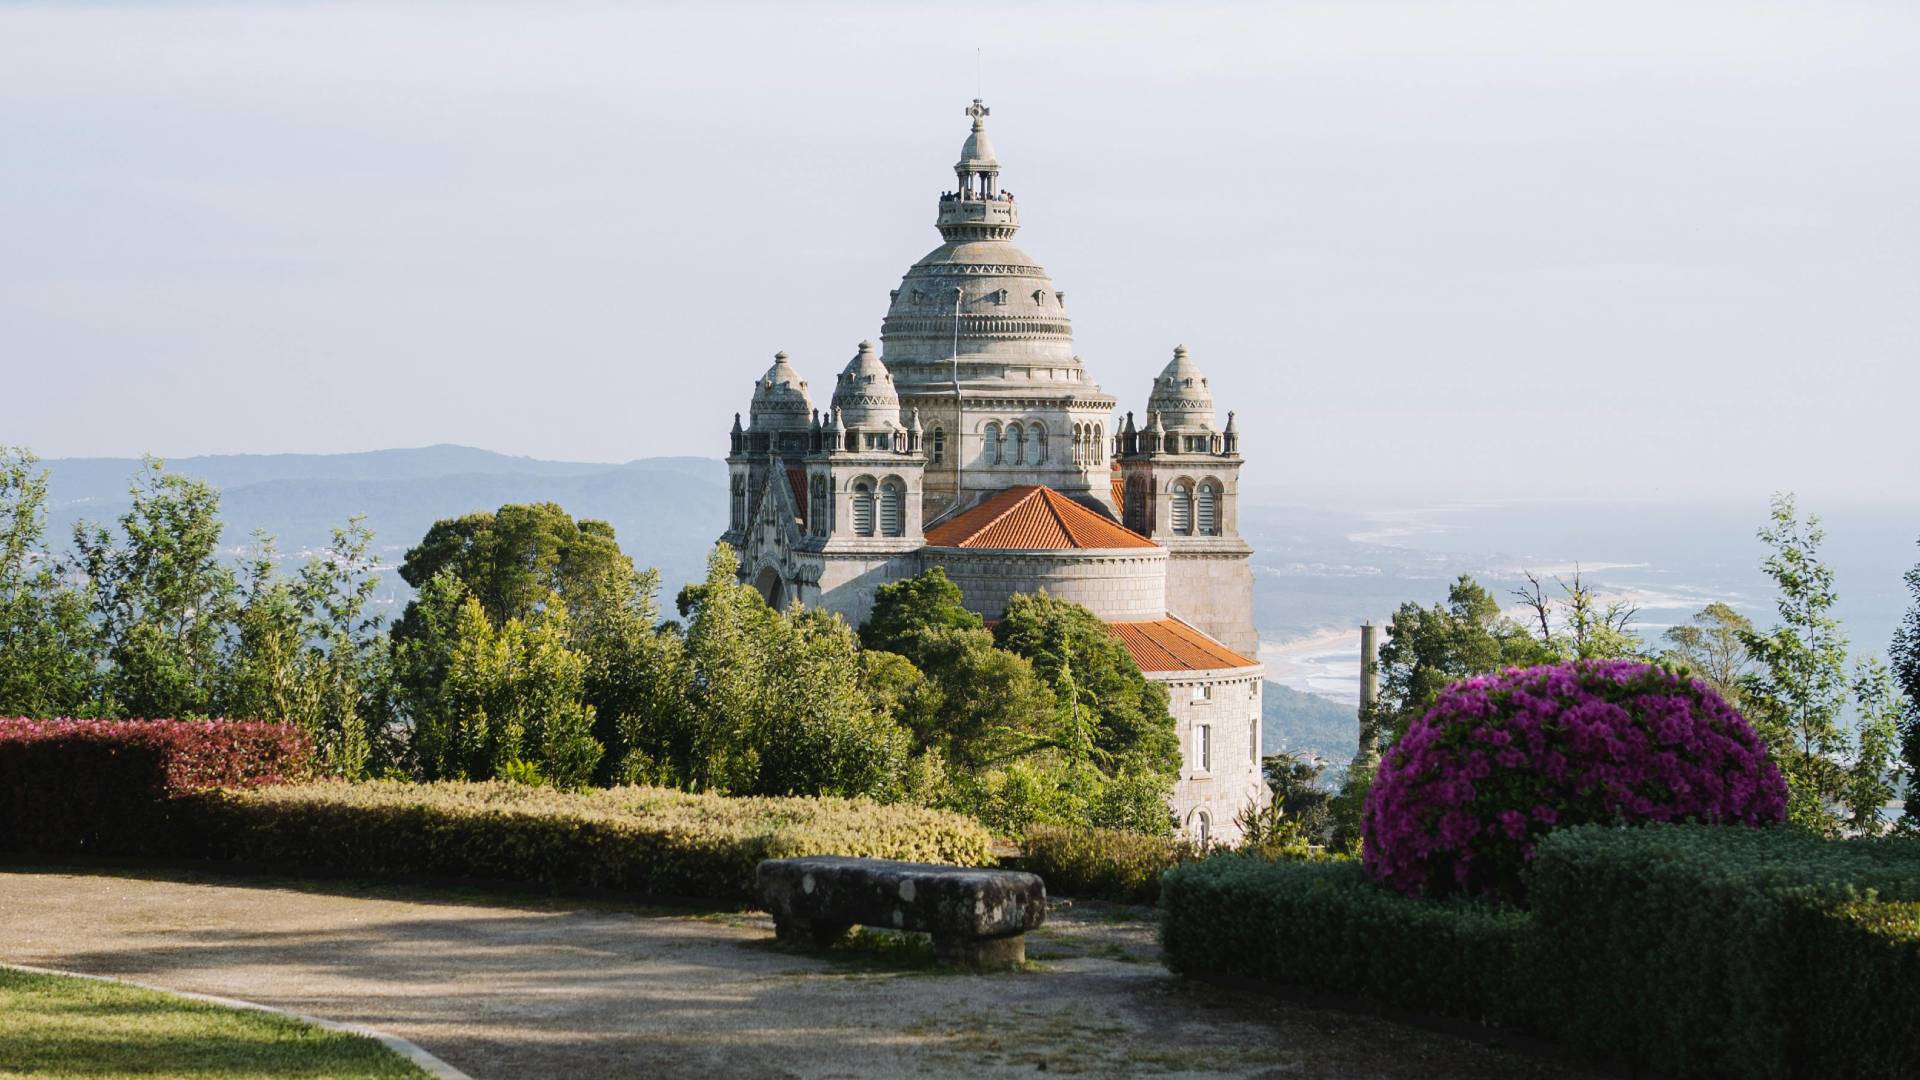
104 785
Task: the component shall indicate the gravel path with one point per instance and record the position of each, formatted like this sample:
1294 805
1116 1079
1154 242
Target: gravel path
516 986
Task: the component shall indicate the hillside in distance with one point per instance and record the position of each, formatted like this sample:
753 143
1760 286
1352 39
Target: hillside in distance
665 511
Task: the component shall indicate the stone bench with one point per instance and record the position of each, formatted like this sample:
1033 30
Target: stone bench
978 918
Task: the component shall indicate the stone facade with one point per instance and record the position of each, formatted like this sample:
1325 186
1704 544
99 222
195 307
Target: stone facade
974 392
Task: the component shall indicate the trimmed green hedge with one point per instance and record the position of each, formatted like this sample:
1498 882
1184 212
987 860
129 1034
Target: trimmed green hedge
1102 864
1708 951
651 841
1323 926
1695 951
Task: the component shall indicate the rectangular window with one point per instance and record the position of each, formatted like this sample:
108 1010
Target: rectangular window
1253 742
1203 747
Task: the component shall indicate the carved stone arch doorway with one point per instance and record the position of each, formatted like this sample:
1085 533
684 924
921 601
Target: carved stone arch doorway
771 588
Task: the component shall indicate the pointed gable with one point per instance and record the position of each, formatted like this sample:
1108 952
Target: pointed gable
1032 516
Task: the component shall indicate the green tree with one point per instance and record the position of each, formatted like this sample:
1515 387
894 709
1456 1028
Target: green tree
1798 689
1428 649
47 644
1578 625
777 702
1108 710
906 609
162 597
515 557
1905 657
635 680
1712 647
1870 779
512 701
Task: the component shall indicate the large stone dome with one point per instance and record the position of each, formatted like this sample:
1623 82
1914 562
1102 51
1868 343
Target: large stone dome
977 298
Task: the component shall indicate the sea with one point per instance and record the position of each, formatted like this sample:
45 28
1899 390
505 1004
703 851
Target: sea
1321 571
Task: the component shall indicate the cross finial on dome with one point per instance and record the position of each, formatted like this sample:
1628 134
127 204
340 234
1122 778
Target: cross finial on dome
978 111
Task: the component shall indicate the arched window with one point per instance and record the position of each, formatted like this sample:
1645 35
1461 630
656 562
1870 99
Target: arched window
893 508
1183 508
1137 504
1037 445
863 508
1099 444
1202 828
1207 508
939 445
1079 443
992 450
739 502
818 502
1017 441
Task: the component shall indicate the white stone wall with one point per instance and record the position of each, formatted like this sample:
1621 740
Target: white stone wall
1227 702
847 580
1117 584
1211 586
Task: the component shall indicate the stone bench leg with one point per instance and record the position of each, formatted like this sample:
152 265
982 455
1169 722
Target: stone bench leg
982 954
810 932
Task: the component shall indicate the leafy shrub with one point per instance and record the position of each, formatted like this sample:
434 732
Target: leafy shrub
652 841
1460 801
1706 951
1104 864
105 785
1324 926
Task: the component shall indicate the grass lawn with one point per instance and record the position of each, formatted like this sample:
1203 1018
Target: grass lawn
51 1026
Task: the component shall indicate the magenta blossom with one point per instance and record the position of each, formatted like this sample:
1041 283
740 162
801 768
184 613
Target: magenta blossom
1591 741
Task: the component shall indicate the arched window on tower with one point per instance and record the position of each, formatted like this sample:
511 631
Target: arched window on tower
863 508
991 452
893 508
1207 508
1099 444
939 445
1137 504
1079 443
739 502
1183 508
1037 445
818 504
1017 444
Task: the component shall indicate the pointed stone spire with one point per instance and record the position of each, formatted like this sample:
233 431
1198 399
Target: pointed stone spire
736 424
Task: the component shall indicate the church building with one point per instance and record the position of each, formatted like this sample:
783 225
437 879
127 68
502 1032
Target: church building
972 438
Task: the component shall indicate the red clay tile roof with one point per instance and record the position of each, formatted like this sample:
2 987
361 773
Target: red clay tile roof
797 480
1032 516
1172 645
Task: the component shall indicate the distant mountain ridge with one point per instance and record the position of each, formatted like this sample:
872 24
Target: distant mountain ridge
666 511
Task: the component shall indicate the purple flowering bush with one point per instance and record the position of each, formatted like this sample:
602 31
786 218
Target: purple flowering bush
1460 800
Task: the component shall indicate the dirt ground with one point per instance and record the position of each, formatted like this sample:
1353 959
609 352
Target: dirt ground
510 985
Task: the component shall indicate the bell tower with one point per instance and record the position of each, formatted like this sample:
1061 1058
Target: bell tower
1180 485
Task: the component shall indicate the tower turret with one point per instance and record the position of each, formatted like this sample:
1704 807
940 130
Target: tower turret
1180 483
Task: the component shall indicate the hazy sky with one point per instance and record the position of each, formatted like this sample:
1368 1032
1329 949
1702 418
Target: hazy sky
1452 249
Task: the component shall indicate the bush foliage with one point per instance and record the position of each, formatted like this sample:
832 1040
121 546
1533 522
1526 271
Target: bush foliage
1461 800
104 785
1731 952
651 841
1690 950
1104 864
1323 926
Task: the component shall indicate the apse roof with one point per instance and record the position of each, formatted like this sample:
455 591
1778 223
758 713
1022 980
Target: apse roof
1032 516
1171 645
